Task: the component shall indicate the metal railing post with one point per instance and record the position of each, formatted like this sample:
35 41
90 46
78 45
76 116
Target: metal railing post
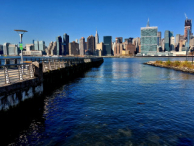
7 79
31 72
20 72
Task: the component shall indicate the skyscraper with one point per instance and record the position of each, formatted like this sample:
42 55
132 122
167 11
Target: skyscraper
81 46
119 39
159 38
5 48
59 45
188 25
96 39
149 39
91 44
107 45
167 40
1 49
65 44
73 48
41 45
36 45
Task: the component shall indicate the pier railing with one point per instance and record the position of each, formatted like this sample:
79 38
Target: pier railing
12 72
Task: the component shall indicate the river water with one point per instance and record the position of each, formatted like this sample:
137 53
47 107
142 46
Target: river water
122 102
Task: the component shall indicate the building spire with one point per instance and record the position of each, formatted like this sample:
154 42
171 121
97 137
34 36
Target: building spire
148 23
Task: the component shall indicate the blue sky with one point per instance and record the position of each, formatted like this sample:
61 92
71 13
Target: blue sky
47 19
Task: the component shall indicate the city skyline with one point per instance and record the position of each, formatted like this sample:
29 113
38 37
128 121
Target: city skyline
43 24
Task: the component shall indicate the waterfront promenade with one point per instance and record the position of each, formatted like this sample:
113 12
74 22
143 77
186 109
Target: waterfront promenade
32 78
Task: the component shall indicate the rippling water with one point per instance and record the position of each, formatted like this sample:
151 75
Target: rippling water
123 102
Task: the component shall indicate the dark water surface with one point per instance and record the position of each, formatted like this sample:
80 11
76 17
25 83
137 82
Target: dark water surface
123 102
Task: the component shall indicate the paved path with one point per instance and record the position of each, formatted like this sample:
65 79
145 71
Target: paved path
13 75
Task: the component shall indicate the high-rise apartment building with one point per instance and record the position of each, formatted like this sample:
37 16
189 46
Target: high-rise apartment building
41 45
82 46
119 39
149 39
13 49
36 45
5 48
73 48
91 45
96 39
159 38
167 40
59 45
107 40
1 49
118 48
65 44
172 44
188 25
99 49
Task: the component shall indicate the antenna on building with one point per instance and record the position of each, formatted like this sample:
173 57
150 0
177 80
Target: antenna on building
148 24
186 16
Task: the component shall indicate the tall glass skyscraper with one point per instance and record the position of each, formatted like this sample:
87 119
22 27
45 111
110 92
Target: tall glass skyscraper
41 45
149 40
59 45
167 35
36 45
107 49
65 44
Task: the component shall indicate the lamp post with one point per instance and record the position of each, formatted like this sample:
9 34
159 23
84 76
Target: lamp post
21 32
192 49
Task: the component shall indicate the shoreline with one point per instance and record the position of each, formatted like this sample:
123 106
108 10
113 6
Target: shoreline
183 69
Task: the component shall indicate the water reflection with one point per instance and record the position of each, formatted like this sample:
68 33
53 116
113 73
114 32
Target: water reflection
123 102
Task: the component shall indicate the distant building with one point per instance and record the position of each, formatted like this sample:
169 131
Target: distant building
36 45
119 39
73 48
178 38
86 46
131 48
90 45
5 48
82 46
167 38
159 38
188 25
96 39
65 44
59 45
136 42
41 45
118 48
172 44
32 53
1 49
149 39
99 48
107 50
129 40
29 47
192 43
13 49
